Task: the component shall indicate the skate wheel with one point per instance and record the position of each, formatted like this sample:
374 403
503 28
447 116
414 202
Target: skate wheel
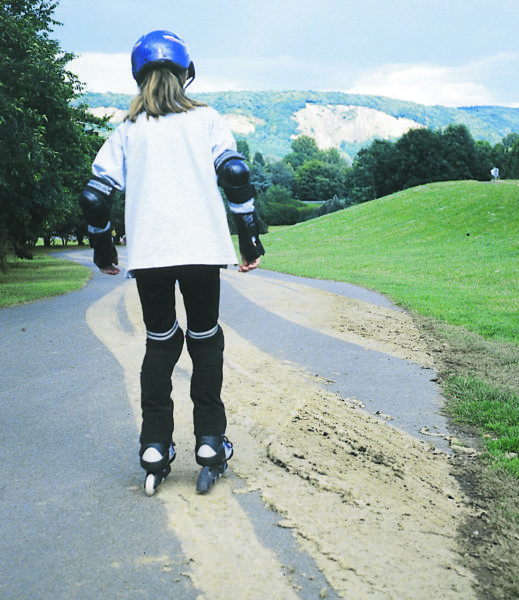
205 480
208 477
149 484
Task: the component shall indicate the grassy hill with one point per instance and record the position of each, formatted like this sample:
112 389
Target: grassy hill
269 120
446 250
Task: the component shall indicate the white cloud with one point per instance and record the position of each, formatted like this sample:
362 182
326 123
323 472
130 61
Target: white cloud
478 82
425 84
104 72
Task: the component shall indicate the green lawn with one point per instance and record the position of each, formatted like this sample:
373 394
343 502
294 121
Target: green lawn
446 250
44 276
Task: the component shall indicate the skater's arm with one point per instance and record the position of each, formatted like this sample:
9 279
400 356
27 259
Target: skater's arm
95 202
105 253
108 175
251 248
234 178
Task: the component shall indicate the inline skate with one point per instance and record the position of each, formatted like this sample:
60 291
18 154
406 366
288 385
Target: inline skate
156 460
212 453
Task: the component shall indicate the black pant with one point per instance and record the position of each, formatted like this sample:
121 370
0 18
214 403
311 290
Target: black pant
200 288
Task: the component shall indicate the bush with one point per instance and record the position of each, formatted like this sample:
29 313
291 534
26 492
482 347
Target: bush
278 207
331 206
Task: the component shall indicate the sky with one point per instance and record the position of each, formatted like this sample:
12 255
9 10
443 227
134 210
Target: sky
444 52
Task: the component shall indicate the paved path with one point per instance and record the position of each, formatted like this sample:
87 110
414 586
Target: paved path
384 384
72 524
75 521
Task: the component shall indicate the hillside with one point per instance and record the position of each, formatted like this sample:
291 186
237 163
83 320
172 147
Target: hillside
458 240
269 120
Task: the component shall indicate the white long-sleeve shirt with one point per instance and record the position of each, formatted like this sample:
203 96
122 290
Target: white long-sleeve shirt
174 212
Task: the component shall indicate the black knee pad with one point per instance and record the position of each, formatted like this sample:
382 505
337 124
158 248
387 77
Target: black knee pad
163 355
206 351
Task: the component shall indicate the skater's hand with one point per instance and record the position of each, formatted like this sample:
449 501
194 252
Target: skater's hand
105 253
112 269
249 265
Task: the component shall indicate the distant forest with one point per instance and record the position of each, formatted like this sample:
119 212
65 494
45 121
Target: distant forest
273 112
309 182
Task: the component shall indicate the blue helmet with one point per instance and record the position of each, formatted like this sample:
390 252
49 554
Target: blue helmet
161 48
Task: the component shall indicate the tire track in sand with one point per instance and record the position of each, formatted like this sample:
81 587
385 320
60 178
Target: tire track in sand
376 509
217 538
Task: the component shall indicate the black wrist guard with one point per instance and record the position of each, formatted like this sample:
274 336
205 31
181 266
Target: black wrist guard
248 235
105 254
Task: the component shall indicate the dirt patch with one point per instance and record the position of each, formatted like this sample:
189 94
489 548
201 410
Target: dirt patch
377 509
456 351
368 325
379 512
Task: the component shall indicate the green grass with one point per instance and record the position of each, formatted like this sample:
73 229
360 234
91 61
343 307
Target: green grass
44 276
447 250
494 412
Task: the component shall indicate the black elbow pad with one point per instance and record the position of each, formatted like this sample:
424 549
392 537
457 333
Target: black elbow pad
234 177
96 201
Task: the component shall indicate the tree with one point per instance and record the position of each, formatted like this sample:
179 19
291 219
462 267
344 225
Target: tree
243 147
258 159
504 156
46 144
420 156
117 216
375 171
418 153
304 149
514 161
318 181
318 174
258 174
457 153
278 207
280 173
510 140
332 156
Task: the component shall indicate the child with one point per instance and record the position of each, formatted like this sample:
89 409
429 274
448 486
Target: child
169 156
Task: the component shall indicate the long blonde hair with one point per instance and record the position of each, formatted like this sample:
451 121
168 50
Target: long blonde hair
161 92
